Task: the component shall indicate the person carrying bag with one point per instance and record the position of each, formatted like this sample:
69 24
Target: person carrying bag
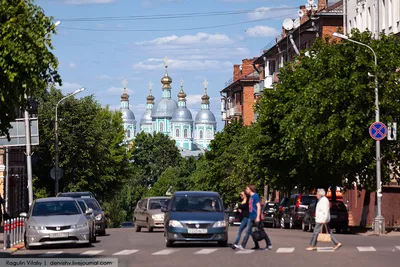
259 234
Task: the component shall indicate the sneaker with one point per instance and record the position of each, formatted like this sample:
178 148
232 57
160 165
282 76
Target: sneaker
239 247
268 247
338 245
311 248
234 246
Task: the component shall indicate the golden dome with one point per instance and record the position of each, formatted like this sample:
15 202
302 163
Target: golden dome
150 99
181 95
205 98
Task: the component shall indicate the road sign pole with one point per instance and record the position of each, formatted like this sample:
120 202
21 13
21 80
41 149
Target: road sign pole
28 154
56 157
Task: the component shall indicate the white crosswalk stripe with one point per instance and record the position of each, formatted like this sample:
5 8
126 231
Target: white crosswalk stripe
205 251
126 252
398 247
247 251
285 250
165 252
51 253
92 252
366 249
325 249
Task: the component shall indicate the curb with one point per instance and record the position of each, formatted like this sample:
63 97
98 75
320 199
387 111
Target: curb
16 248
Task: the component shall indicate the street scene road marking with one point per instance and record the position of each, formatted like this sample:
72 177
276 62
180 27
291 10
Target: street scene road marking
247 251
206 251
92 252
325 249
51 253
165 252
285 250
366 249
126 252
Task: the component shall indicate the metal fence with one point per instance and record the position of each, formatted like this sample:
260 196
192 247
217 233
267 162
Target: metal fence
13 232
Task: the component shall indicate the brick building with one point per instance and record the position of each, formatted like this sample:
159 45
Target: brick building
238 94
314 24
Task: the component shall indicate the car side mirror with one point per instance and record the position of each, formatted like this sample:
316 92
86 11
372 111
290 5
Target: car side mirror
23 215
89 212
164 209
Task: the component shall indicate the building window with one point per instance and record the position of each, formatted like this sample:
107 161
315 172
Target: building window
161 127
383 13
128 133
185 133
177 133
369 19
390 13
201 134
208 133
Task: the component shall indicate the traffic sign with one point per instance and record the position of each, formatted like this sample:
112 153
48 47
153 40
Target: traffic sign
378 131
53 173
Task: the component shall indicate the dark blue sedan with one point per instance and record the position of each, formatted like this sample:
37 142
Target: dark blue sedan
195 216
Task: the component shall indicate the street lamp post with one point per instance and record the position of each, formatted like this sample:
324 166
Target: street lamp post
56 168
379 222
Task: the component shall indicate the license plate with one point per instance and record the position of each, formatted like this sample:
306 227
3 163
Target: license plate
197 231
58 235
334 216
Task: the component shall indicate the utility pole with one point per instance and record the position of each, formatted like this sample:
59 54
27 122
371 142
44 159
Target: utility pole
28 152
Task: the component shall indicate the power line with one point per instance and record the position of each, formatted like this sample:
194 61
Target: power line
182 29
173 16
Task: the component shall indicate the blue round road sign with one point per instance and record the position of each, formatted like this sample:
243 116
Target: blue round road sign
378 131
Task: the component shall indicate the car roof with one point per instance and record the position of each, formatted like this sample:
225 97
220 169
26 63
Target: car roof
196 193
47 199
77 193
156 197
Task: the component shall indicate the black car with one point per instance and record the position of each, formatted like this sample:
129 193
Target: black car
295 210
99 215
269 211
196 216
339 217
278 212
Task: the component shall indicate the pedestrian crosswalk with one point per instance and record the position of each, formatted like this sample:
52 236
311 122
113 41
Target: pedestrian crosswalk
207 251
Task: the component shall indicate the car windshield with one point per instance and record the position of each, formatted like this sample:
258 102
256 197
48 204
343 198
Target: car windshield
338 205
197 203
82 205
156 203
92 204
53 208
307 200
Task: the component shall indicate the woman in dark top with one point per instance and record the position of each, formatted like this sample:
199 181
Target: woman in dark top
244 212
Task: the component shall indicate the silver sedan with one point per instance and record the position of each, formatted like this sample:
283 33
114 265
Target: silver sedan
53 221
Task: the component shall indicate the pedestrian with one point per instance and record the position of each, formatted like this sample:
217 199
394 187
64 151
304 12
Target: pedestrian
244 214
322 219
254 217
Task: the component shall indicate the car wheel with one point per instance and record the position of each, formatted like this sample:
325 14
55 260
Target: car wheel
339 230
291 223
304 227
94 238
27 247
149 228
169 243
103 233
137 227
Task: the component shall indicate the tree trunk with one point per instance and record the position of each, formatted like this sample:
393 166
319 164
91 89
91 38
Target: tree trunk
266 191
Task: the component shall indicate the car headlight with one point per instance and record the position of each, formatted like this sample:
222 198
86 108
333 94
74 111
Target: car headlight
174 223
78 225
219 224
158 217
36 227
98 217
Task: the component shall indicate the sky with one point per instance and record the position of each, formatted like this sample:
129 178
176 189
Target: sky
99 43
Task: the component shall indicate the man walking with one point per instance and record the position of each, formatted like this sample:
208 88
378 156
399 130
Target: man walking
322 218
254 217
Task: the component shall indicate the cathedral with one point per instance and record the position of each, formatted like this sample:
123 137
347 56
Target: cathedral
173 118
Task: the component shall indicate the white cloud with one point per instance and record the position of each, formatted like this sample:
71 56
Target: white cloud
88 2
262 31
68 87
272 12
153 64
199 38
72 65
119 90
193 100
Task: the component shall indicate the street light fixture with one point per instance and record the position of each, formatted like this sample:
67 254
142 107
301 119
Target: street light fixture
56 168
379 222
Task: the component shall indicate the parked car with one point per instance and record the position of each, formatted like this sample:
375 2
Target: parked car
196 216
278 212
295 210
339 217
148 213
235 218
76 194
99 215
127 225
268 211
90 217
52 221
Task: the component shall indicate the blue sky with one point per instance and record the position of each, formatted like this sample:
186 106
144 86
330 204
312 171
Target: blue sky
100 54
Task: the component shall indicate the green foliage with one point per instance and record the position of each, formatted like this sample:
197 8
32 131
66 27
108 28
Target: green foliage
27 65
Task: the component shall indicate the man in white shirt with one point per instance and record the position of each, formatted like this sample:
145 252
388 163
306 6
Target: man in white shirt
322 219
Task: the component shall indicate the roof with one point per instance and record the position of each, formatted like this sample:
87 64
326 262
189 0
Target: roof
157 197
164 108
47 199
254 76
196 193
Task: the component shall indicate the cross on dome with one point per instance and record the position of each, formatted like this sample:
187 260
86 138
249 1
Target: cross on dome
205 84
166 60
182 82
151 87
124 83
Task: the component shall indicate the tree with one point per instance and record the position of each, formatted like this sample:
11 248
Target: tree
89 150
27 65
318 115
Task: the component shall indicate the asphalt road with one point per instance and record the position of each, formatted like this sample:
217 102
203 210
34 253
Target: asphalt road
148 249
